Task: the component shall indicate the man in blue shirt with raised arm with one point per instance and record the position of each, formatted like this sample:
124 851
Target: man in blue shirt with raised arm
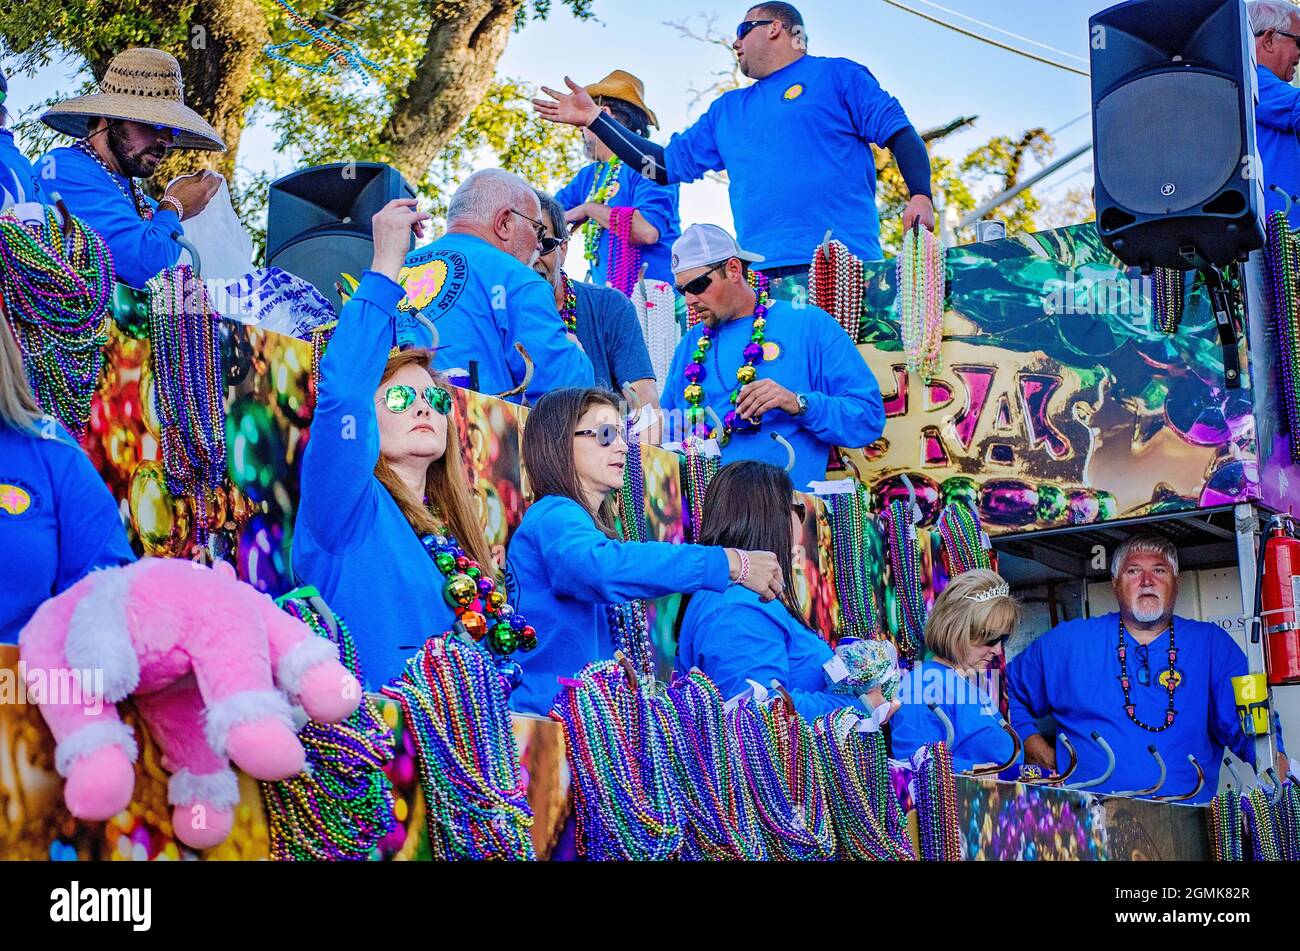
799 375
796 145
1276 26
474 297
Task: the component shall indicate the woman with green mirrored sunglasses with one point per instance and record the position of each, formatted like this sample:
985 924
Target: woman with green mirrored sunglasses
400 397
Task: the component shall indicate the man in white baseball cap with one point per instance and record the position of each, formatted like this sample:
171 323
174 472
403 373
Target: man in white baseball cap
763 367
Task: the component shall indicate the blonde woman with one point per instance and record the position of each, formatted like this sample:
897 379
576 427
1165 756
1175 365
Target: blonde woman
58 521
968 627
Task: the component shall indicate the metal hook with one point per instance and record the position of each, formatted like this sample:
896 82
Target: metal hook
785 695
640 282
1200 782
948 732
913 509
1058 778
1276 783
1110 764
1232 770
826 243
185 243
777 437
1015 753
1286 197
1160 779
850 464
528 374
628 670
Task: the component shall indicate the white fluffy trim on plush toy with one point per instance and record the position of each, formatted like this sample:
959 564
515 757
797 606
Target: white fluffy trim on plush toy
99 635
305 655
225 715
94 737
219 789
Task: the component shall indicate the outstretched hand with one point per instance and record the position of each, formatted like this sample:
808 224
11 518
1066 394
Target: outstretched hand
575 108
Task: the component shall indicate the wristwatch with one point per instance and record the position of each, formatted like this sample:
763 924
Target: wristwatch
803 403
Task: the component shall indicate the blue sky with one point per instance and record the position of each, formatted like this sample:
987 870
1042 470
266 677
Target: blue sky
936 73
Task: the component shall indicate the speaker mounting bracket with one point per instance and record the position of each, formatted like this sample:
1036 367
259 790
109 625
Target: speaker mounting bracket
1222 302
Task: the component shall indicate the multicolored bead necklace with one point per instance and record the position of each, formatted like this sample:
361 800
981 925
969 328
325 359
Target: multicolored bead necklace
920 276
131 192
1171 681
454 703
748 372
778 760
482 609
1286 819
341 805
837 284
1258 812
698 470
623 791
1282 263
56 289
934 790
628 622
1167 291
905 571
569 312
625 256
185 335
869 824
1226 827
702 757
854 585
603 186
963 539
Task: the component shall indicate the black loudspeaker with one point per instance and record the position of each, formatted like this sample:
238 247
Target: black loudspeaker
1178 181
318 220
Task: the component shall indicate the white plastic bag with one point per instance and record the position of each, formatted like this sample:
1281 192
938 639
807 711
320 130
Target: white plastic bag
225 249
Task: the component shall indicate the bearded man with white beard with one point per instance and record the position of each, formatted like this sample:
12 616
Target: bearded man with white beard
1139 677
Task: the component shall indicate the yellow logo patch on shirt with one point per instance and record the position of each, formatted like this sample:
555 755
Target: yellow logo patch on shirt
14 500
794 92
771 351
1163 679
611 190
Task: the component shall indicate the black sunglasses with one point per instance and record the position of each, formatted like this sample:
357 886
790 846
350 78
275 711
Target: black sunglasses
744 29
999 641
701 284
550 244
537 225
606 434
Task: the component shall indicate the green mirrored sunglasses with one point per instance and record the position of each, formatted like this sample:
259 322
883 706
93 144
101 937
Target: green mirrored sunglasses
399 398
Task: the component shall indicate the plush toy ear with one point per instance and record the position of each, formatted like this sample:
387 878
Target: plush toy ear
227 569
99 633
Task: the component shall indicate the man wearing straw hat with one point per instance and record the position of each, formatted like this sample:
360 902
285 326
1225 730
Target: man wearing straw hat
123 131
602 193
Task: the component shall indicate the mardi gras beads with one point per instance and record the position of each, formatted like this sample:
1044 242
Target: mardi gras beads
454 704
1167 292
341 805
1226 827
604 184
860 791
1282 263
186 351
905 570
623 794
934 790
779 765
837 284
854 584
131 192
338 47
1264 844
920 275
569 312
963 539
625 256
752 354
628 622
698 469
1172 680
56 288
1286 819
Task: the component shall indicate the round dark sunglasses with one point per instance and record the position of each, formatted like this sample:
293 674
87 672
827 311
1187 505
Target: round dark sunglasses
399 398
606 434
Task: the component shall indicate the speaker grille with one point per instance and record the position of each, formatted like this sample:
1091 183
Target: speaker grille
1170 141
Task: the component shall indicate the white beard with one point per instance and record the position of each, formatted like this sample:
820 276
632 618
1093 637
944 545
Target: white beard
1149 615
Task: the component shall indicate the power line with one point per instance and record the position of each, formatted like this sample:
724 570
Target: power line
1016 36
1062 128
985 39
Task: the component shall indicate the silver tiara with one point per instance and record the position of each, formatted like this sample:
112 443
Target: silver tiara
991 594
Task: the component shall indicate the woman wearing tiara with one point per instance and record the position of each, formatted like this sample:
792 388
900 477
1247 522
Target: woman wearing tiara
971 621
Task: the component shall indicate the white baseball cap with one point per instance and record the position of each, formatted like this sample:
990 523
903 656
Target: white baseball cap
704 245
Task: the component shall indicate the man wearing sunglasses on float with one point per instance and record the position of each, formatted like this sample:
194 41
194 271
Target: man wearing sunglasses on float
796 145
797 374
1276 26
124 131
476 286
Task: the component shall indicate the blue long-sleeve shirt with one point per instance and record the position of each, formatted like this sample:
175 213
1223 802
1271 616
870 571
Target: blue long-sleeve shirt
18 181
58 521
806 352
978 738
797 149
350 539
1277 117
564 571
733 636
657 204
1072 672
140 248
482 302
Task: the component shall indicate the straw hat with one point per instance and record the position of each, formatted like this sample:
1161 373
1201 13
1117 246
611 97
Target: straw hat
625 86
141 85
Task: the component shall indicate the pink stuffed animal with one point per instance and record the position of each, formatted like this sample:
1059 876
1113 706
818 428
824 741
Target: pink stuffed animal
196 649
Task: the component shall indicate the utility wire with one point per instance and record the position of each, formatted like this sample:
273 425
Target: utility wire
1015 36
985 39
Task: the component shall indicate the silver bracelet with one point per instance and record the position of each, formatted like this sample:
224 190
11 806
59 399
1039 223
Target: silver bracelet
173 200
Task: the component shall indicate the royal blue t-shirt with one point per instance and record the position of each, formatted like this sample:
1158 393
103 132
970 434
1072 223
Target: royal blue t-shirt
482 302
58 522
1073 673
796 146
732 636
978 737
807 352
657 204
1277 117
611 336
18 181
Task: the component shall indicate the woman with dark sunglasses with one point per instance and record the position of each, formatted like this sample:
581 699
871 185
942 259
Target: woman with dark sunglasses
382 470
566 562
967 628
734 637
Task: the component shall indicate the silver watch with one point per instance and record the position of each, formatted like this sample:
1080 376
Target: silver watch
803 403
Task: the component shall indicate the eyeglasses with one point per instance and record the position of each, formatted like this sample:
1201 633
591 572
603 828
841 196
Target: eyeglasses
1292 36
550 244
537 225
399 398
701 284
1144 672
606 434
798 508
745 28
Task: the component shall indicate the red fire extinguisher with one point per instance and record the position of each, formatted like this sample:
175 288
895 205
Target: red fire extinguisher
1280 601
